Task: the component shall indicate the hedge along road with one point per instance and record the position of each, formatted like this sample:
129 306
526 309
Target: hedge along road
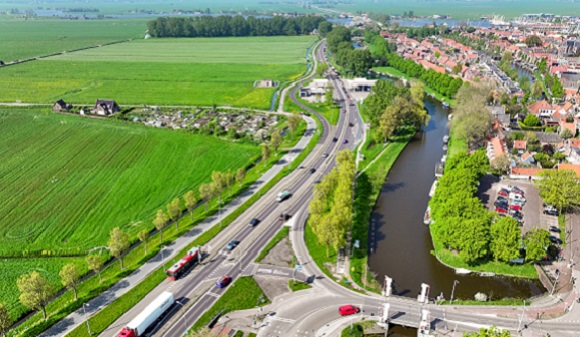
123 286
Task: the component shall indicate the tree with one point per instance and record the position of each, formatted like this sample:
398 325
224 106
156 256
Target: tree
118 244
324 28
206 192
471 118
159 222
174 211
321 68
5 321
293 122
532 120
95 263
69 276
501 163
457 68
35 291
265 153
240 175
328 98
276 140
533 40
537 240
190 201
143 235
505 239
559 188
566 133
557 88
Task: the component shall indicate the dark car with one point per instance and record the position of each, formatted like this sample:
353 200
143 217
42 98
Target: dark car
551 211
554 229
555 240
254 222
501 203
351 124
232 244
312 170
345 141
501 198
223 281
334 139
325 155
284 216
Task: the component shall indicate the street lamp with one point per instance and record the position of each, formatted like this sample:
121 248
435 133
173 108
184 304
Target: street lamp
455 282
163 258
85 314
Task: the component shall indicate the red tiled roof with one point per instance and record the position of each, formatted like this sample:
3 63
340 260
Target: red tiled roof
520 144
526 171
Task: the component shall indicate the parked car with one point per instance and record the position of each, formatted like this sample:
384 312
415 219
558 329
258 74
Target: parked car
555 240
517 215
501 198
516 197
515 189
223 281
503 192
232 244
551 211
501 203
501 211
254 222
554 229
518 202
516 207
349 309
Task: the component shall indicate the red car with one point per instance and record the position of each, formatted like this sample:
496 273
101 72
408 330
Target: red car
500 210
503 193
223 281
349 309
515 207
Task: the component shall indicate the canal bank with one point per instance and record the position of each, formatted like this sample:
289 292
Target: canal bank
401 246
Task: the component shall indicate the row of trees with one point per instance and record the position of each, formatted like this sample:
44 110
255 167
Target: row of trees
442 83
225 25
331 207
471 119
404 111
354 61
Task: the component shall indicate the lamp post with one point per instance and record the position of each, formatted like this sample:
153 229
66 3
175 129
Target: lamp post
163 258
455 282
85 314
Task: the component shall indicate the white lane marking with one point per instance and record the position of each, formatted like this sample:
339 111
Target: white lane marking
212 294
286 320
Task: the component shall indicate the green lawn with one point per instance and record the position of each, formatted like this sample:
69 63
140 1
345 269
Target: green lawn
68 180
22 39
200 71
297 286
244 293
456 144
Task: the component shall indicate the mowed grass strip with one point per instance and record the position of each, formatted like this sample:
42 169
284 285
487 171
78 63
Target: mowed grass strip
161 72
67 181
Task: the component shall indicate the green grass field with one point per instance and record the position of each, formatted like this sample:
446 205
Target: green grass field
67 180
23 39
200 71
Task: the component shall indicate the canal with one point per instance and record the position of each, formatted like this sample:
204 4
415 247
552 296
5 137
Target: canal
402 246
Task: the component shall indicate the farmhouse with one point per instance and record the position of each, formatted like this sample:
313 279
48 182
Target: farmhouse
61 105
105 107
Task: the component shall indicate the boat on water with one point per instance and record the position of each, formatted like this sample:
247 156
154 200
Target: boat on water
445 105
445 147
427 218
432 190
445 139
444 158
449 117
486 273
462 271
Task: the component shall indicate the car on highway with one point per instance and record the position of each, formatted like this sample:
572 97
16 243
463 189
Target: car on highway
254 222
351 124
284 216
345 141
555 240
232 244
312 170
325 155
349 309
554 229
334 139
223 281
283 196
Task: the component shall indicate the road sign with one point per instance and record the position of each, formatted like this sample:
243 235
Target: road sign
298 267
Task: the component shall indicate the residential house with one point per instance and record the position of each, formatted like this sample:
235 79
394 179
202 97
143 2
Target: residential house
529 173
495 148
105 107
527 159
520 145
570 126
61 105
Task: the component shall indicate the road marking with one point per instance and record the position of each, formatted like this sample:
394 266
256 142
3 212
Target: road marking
279 272
286 320
212 294
266 271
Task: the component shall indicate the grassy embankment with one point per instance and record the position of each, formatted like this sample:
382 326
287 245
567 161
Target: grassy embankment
330 113
205 72
284 231
390 71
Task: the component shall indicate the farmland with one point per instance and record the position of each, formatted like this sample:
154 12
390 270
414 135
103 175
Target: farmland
210 71
67 181
24 39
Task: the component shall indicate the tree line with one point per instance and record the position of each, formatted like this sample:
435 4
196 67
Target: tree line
332 204
225 25
354 61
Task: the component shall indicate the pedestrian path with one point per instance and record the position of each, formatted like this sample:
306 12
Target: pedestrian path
78 317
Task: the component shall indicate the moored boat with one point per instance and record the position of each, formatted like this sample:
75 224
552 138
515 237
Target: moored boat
427 218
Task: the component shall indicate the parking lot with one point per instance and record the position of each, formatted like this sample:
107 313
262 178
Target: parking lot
532 210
